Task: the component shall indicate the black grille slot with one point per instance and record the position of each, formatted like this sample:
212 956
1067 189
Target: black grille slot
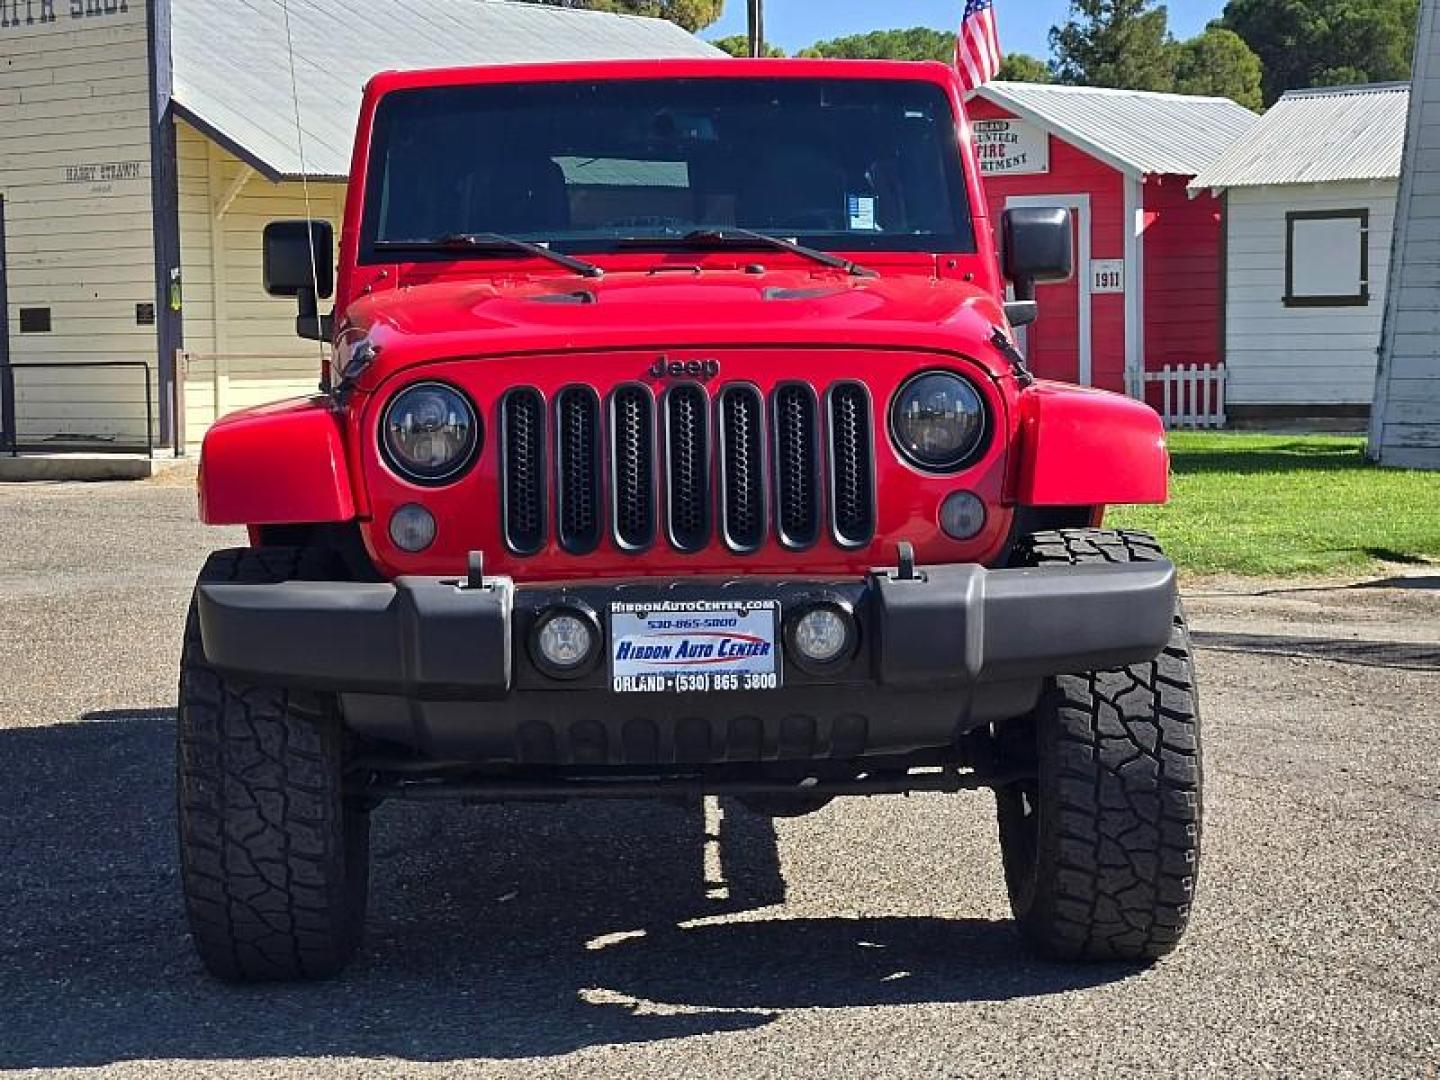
687 439
522 418
632 466
797 466
742 467
578 468
852 466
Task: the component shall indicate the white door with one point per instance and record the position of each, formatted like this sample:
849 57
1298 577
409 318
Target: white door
1058 346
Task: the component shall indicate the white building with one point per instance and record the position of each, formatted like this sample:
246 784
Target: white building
1310 194
143 146
1405 428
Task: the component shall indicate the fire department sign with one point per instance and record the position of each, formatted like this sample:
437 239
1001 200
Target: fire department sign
1011 148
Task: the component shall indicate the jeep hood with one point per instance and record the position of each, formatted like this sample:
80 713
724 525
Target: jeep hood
672 309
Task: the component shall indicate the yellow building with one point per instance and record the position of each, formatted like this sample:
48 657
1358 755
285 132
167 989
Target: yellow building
144 144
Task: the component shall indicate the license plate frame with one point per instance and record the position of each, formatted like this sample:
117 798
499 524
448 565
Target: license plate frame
695 647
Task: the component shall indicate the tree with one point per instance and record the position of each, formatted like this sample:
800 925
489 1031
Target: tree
739 45
1218 63
1021 67
1119 43
691 14
918 43
1304 43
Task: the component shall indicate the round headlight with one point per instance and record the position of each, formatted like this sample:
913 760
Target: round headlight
430 433
938 420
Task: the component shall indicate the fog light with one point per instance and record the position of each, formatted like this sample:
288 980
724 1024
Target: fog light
962 516
823 637
565 642
412 528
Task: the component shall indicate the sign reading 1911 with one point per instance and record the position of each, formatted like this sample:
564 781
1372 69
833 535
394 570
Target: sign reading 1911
17 13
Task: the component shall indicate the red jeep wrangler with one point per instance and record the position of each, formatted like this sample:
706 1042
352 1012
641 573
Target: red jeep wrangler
676 442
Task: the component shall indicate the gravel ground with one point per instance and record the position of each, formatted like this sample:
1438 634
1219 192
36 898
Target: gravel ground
656 941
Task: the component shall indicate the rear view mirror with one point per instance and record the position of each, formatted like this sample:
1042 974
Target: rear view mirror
299 261
1038 246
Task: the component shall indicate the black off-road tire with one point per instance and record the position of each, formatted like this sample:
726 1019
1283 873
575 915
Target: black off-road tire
274 861
1102 851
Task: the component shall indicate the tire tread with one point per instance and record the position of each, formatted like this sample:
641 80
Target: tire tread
1120 770
272 862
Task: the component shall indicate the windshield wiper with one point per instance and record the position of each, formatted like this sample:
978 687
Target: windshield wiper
493 243
749 238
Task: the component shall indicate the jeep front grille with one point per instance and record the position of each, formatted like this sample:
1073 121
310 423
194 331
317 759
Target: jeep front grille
797 466
687 475
742 467
852 465
522 421
729 463
578 464
632 466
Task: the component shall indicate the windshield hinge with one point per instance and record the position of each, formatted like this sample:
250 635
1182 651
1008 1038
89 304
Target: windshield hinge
1001 340
361 357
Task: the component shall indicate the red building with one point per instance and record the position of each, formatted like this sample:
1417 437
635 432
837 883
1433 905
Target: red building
1149 285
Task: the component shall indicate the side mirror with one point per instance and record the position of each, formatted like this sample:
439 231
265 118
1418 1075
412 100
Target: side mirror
1038 247
299 261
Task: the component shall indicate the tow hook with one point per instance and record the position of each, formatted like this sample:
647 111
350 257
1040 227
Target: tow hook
906 571
475 572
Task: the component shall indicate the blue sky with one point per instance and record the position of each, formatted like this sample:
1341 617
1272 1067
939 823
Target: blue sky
1024 24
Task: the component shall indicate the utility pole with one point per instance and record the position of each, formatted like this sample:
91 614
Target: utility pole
757 27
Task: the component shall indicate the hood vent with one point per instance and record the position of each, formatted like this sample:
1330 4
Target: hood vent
579 297
820 293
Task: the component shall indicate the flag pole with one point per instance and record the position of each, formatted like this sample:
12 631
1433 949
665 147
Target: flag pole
757 27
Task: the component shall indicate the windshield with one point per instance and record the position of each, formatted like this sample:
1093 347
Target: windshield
838 164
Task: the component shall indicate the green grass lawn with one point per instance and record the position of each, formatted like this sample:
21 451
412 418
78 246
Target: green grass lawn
1288 504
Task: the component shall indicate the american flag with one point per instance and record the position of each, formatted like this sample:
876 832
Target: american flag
977 50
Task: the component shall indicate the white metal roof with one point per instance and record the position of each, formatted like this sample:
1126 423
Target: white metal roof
232 78
1135 131
1318 136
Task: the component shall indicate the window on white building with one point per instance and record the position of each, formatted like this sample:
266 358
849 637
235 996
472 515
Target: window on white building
1327 258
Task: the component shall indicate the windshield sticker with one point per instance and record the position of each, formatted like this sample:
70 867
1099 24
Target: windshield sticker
861 212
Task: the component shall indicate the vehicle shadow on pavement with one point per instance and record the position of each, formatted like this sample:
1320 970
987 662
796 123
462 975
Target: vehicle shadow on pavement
1397 655
495 932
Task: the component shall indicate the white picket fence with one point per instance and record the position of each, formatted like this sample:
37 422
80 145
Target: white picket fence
1192 395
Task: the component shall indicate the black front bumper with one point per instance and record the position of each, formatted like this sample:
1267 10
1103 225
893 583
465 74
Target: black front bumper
447 670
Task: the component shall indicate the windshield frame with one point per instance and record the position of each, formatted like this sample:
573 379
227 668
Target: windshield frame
965 242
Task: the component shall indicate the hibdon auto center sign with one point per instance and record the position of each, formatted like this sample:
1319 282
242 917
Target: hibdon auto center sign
1011 148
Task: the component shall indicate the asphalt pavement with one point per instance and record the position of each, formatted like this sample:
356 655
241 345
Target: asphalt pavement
638 940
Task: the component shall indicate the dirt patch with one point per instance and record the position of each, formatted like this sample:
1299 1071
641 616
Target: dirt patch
182 474
1399 606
